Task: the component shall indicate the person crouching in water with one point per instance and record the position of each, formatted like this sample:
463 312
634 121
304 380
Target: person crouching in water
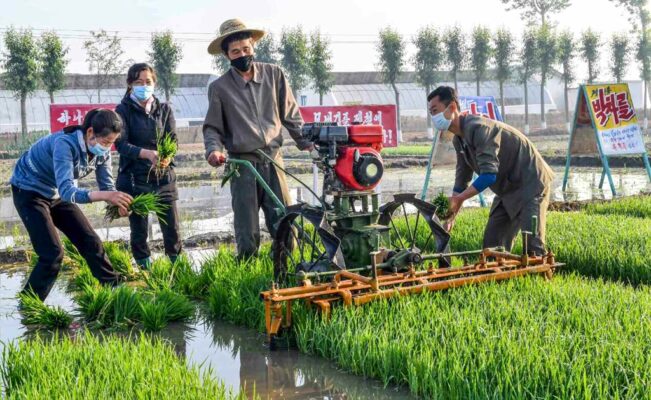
46 195
146 120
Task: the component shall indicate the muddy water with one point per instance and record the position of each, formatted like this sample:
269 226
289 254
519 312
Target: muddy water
206 206
234 355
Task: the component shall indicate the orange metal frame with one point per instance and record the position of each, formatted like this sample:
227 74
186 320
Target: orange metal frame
351 288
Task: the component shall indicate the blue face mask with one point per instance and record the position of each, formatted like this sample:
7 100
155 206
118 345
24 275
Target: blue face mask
99 150
143 93
440 122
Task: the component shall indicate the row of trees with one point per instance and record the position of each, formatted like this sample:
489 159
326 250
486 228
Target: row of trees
542 49
30 63
306 60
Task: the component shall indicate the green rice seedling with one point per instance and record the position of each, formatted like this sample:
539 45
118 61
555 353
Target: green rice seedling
75 259
638 206
234 295
442 204
120 259
153 316
83 278
37 313
141 205
613 247
95 302
107 367
524 338
179 277
163 307
125 307
166 146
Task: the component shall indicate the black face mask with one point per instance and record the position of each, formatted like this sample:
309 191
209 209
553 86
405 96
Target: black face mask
243 63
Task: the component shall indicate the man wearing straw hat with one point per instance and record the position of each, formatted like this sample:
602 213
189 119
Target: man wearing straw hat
248 107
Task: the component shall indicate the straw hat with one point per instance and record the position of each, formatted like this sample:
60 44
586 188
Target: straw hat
230 27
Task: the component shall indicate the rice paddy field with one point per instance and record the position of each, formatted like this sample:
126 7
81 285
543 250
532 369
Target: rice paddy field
584 334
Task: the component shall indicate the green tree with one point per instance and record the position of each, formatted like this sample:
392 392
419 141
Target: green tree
320 65
104 58
165 56
529 57
531 9
53 63
221 63
21 65
590 44
391 49
566 54
639 15
294 55
546 43
503 56
428 60
265 50
619 50
481 53
455 51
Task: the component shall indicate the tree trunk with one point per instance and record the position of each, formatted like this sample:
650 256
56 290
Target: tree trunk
543 124
23 115
526 108
590 72
502 100
399 133
320 98
51 97
478 90
167 95
567 106
646 91
456 83
430 130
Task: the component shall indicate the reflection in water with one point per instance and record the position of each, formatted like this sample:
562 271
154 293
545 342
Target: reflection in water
234 355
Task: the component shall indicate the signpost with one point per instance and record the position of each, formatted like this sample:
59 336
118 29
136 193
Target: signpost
605 124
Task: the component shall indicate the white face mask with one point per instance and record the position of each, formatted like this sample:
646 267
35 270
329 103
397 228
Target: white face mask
440 122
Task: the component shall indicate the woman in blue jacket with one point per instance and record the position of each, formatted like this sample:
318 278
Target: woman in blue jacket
46 195
145 120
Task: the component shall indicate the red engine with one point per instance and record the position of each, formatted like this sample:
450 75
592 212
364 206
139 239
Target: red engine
359 164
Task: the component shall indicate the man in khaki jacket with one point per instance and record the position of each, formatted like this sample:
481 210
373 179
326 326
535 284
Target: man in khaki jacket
248 107
506 161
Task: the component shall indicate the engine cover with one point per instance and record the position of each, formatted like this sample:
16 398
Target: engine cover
359 168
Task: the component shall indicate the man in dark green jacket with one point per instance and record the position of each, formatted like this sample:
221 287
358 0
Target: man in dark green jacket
506 161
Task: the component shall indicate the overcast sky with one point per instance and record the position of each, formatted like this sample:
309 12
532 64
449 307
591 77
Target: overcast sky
351 25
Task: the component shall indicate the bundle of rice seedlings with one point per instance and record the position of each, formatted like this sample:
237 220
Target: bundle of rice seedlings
141 205
37 313
120 260
442 204
166 147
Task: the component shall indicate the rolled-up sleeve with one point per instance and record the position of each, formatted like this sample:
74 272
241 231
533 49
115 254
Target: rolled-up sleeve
123 146
290 115
213 125
104 175
63 160
486 141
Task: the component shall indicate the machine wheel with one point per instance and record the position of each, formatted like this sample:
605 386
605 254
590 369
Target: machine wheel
305 242
414 226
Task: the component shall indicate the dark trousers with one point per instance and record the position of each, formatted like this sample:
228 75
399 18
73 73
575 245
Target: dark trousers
42 217
169 228
247 199
501 229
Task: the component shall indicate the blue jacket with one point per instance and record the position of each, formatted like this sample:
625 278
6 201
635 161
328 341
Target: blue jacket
53 164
